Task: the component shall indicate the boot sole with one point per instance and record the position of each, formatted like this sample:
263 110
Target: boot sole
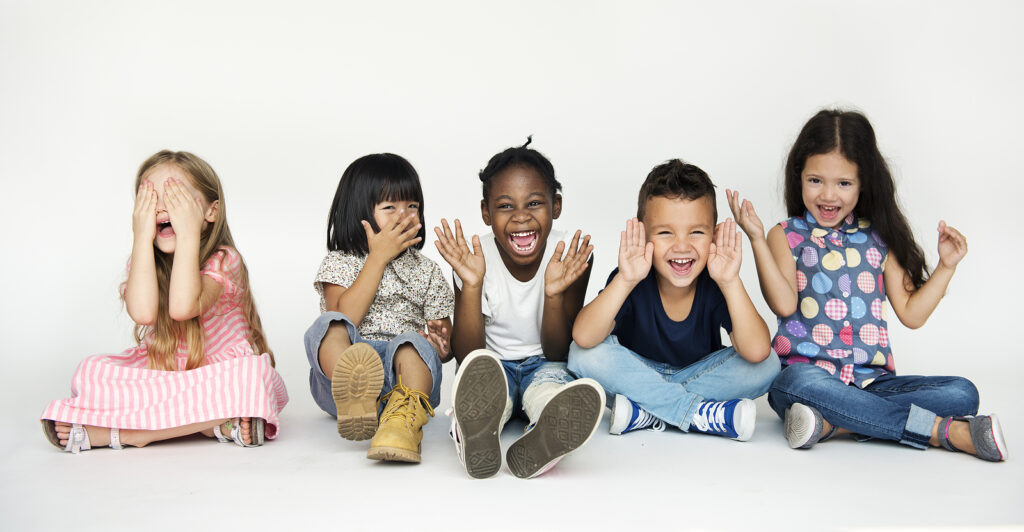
356 382
393 454
480 396
566 423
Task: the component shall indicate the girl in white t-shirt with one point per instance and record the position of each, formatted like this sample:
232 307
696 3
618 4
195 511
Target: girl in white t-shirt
515 302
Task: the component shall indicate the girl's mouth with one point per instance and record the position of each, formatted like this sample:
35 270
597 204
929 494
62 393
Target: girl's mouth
523 242
828 212
681 267
164 229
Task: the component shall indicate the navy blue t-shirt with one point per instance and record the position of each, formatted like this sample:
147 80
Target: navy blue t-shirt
643 326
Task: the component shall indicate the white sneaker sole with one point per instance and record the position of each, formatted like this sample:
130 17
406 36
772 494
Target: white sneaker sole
479 394
800 425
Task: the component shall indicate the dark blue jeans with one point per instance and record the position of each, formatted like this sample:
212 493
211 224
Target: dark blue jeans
899 408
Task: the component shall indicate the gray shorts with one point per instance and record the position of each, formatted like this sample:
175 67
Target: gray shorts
320 384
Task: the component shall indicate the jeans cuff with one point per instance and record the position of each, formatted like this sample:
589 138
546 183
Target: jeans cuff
918 430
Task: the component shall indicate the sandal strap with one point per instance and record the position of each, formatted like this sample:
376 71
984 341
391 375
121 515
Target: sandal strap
115 439
220 435
78 439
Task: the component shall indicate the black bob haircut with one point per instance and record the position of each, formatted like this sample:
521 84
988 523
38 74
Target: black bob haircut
520 156
676 179
366 182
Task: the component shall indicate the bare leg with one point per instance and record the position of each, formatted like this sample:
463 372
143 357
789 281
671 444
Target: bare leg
100 436
335 342
828 427
411 368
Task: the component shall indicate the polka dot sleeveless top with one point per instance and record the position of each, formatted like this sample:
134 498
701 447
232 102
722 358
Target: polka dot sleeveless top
840 321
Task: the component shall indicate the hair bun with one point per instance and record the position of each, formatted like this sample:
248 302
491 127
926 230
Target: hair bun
529 139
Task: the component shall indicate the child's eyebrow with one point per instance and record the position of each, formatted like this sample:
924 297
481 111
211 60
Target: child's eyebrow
506 197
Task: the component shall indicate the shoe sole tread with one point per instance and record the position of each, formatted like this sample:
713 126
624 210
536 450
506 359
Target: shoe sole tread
565 424
480 399
356 382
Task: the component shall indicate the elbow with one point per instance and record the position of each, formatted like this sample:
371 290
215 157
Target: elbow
784 309
181 312
146 320
759 355
582 339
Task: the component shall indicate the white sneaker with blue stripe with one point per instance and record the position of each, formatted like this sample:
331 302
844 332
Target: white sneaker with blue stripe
732 419
627 416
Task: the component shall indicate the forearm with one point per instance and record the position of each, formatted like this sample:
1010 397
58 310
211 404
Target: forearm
468 329
354 302
555 328
923 301
186 285
750 335
780 295
141 293
596 320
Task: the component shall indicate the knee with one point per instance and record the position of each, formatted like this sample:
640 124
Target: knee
592 362
799 376
964 394
765 372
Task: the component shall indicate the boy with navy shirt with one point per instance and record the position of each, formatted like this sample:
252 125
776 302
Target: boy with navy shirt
652 337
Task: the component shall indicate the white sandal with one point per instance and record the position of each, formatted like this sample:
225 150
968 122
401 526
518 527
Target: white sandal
257 428
78 439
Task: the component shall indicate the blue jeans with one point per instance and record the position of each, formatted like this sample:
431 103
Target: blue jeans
895 408
520 374
320 384
671 393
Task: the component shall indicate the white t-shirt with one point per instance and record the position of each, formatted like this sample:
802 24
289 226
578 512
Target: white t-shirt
512 309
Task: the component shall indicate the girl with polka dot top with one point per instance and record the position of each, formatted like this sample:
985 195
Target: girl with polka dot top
827 272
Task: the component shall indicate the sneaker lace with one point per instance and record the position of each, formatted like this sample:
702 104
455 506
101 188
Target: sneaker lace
711 416
401 407
646 420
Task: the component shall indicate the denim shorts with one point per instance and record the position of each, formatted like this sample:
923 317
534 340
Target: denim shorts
320 384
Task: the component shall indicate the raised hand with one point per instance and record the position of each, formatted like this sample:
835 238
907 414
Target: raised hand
468 264
186 213
952 245
144 214
635 252
726 253
394 237
745 215
563 271
438 334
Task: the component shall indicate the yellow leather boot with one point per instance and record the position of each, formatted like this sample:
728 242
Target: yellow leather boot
400 431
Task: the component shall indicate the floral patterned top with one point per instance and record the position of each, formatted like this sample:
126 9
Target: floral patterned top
840 321
412 291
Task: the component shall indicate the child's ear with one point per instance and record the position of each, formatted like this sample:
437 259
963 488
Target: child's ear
556 210
211 211
484 214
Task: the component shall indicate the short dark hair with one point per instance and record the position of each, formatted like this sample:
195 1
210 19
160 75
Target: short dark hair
519 156
366 182
676 179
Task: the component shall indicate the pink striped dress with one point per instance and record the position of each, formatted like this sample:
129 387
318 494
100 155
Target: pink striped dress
118 390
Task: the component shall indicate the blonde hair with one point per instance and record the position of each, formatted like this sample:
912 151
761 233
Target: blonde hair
167 332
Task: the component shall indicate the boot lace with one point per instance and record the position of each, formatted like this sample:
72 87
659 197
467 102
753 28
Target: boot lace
402 406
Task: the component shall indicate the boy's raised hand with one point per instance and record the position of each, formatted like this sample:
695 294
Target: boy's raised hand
468 265
438 334
563 271
745 215
186 212
395 237
952 245
726 253
144 214
635 252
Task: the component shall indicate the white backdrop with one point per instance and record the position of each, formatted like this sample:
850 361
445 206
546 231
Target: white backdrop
280 99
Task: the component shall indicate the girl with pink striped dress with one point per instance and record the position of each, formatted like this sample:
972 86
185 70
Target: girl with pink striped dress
201 364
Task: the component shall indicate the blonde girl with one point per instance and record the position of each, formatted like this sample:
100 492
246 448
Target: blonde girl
197 366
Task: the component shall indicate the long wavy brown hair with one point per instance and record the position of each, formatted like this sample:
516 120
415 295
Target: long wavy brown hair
166 332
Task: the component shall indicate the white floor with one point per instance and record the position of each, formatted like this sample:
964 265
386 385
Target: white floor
309 476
